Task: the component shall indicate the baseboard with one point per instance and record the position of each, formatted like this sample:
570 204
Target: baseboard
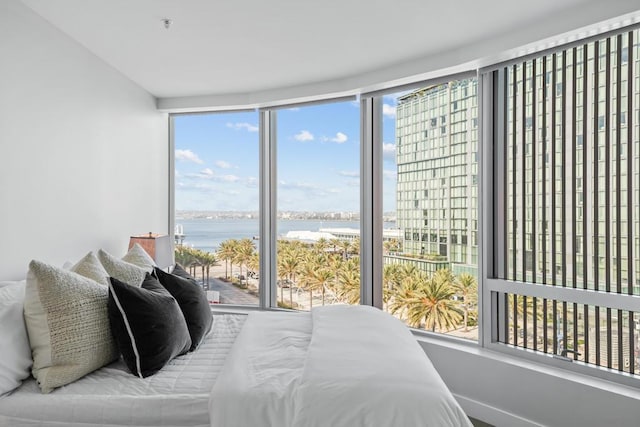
492 415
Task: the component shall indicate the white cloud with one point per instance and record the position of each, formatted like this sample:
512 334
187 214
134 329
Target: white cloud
222 164
210 175
189 156
239 126
206 173
389 110
293 109
252 181
351 174
340 138
304 135
229 178
389 151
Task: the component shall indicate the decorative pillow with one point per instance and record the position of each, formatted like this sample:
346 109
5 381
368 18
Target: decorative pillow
147 324
138 256
89 266
179 271
15 361
68 325
193 303
122 270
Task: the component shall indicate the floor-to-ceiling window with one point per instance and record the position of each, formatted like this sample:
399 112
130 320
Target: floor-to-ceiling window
318 205
216 202
566 203
559 188
430 181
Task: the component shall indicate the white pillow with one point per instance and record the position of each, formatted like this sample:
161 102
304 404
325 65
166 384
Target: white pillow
123 271
68 325
15 361
138 256
89 266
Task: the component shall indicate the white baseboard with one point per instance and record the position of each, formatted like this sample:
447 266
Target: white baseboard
491 415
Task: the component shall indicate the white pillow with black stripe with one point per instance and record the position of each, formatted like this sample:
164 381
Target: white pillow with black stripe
147 324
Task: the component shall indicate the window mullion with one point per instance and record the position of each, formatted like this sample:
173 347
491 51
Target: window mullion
371 224
268 213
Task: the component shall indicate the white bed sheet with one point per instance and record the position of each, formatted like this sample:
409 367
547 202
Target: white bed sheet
336 367
178 395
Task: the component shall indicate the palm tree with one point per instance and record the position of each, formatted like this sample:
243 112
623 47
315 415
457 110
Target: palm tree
349 283
344 246
427 300
354 247
289 264
306 280
208 259
391 280
244 251
184 256
253 264
466 287
320 279
407 270
226 251
391 245
391 275
335 244
321 245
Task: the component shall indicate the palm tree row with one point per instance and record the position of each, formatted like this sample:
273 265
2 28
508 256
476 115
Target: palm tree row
191 259
330 269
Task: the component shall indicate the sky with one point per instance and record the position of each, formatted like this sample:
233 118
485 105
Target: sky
216 159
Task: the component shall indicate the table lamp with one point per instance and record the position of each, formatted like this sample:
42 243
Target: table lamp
158 246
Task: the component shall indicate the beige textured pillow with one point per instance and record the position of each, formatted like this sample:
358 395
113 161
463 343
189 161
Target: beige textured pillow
89 266
122 270
138 256
68 325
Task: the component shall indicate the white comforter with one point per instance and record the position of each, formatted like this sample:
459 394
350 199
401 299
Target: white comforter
340 366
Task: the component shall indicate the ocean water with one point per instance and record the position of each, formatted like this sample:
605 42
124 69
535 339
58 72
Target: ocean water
207 234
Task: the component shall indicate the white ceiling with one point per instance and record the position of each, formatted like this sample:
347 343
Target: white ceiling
240 47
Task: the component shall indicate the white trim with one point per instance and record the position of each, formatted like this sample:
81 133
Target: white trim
577 295
491 414
126 324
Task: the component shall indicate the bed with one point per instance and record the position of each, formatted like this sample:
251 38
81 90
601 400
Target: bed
178 395
336 366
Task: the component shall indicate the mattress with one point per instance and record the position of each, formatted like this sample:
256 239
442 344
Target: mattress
178 395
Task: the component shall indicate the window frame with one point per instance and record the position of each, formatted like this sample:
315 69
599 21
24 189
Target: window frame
494 205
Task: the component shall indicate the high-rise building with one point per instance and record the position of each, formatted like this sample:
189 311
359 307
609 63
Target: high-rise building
437 144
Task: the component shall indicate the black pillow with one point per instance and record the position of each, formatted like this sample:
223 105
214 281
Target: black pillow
179 271
193 303
147 324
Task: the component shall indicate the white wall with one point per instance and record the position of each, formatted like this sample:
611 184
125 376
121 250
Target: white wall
513 392
84 151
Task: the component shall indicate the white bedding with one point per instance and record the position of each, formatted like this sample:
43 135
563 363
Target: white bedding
338 366
178 395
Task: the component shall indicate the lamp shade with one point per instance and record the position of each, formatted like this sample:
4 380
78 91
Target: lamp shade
158 246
